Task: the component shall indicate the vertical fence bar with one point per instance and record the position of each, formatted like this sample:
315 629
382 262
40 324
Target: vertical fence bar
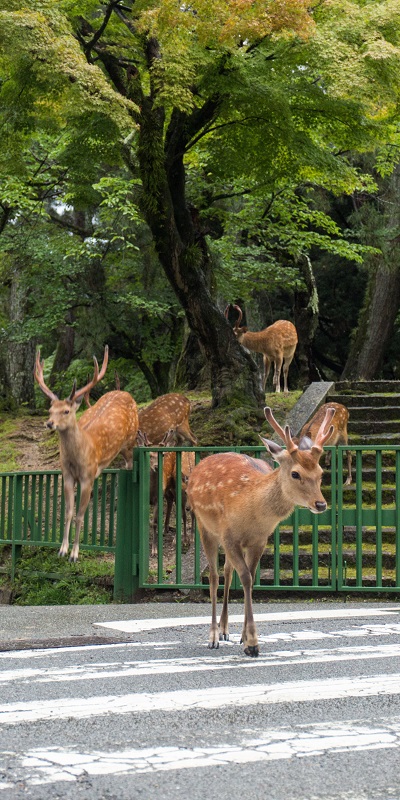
111 524
126 575
47 508
54 515
26 513
277 538
178 511
160 511
295 518
336 492
378 504
359 516
40 509
397 518
95 503
314 552
17 490
103 508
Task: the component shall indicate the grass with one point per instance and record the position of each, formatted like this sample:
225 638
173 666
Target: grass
8 450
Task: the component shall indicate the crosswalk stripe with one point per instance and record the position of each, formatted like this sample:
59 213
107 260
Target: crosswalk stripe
138 625
215 697
215 663
50 764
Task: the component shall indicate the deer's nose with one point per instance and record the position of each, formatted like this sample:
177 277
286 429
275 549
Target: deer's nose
320 505
49 424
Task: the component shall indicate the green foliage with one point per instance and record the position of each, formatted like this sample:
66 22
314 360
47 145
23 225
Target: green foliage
269 104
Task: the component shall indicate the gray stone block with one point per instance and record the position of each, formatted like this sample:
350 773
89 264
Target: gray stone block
313 397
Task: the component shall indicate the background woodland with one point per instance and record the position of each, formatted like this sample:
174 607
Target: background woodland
160 160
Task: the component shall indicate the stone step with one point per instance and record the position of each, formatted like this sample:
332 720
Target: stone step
325 536
375 426
374 412
386 438
324 560
367 387
367 400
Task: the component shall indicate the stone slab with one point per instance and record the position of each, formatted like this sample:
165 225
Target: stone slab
311 399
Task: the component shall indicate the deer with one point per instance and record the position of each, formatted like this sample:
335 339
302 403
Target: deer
277 343
165 412
339 435
168 483
238 501
90 443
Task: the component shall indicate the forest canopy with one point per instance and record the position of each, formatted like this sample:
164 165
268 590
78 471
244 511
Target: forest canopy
160 160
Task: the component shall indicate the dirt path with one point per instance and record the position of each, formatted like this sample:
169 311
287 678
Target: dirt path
36 447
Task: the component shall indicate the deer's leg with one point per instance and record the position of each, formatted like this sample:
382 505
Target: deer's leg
69 497
236 556
210 546
252 558
223 622
127 455
267 367
170 502
155 530
86 489
277 374
349 476
286 364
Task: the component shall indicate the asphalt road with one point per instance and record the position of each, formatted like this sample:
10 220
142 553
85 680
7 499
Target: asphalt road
118 702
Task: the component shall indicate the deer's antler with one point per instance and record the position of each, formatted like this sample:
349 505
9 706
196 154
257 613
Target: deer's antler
97 376
324 432
38 375
283 433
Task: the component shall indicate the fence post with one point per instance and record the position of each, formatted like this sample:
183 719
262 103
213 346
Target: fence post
16 548
126 576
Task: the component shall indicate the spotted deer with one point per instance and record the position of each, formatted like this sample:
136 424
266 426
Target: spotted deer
238 501
166 412
339 435
277 343
90 443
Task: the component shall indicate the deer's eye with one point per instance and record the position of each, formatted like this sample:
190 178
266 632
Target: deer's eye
66 411
296 476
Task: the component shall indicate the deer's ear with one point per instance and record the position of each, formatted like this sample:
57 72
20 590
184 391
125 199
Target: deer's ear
275 450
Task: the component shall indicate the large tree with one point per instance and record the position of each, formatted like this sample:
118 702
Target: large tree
259 95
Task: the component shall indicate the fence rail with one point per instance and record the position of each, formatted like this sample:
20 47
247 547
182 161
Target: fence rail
353 546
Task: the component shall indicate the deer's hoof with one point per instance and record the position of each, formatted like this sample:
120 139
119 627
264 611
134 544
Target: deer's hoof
251 650
213 645
224 637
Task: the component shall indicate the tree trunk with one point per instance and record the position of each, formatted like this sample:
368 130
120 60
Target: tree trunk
20 356
184 256
375 325
382 297
306 314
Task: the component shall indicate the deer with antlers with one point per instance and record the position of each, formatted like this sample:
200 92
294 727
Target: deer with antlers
238 501
339 435
89 444
277 343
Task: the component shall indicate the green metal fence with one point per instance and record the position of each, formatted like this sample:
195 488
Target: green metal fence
353 546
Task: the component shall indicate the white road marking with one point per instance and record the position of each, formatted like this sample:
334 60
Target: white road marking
43 652
138 625
51 764
207 698
208 663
